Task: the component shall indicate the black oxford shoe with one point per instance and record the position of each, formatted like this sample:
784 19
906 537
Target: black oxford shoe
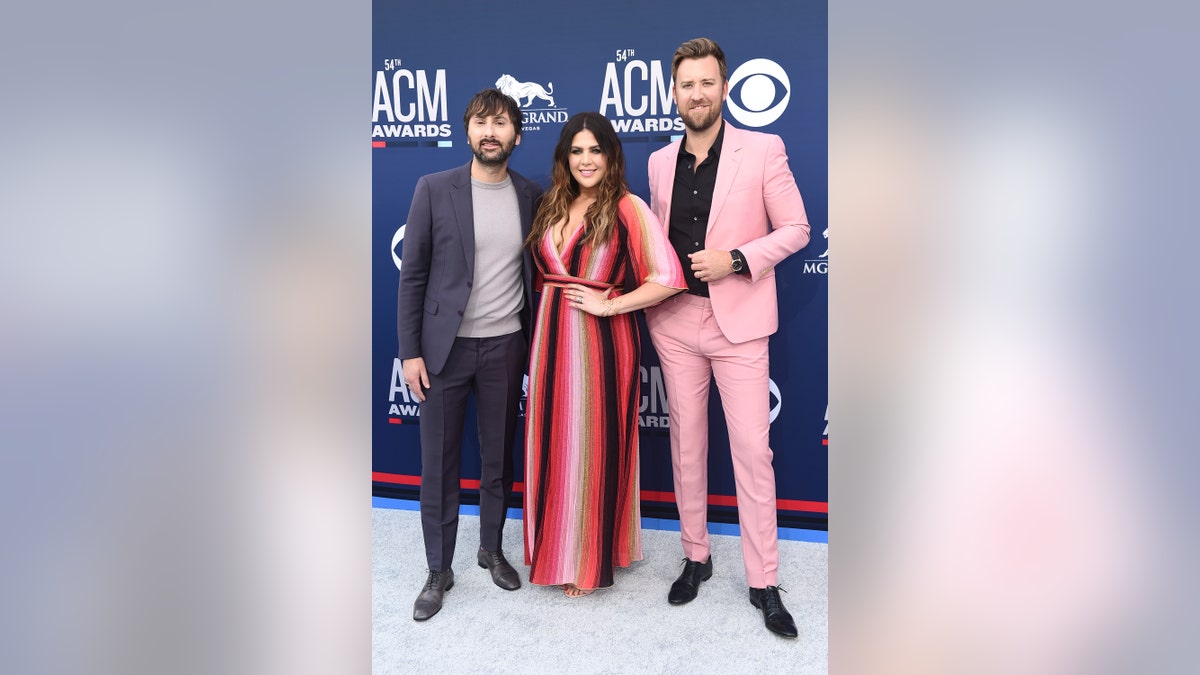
775 616
430 600
686 587
502 573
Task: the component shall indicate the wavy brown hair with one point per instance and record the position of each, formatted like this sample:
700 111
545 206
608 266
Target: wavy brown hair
601 217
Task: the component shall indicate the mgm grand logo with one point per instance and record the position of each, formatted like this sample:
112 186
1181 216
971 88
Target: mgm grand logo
525 93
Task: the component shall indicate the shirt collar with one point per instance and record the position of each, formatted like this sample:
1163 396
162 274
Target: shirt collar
714 151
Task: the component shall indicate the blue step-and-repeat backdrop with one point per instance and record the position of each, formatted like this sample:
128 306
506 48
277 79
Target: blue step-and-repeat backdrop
429 59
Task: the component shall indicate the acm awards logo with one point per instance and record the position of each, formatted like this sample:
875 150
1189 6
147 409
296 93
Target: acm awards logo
410 104
636 96
406 405
653 412
403 406
526 94
652 409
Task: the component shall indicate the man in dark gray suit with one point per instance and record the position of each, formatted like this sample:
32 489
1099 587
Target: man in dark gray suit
463 316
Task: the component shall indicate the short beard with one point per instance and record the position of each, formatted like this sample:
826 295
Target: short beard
499 160
706 123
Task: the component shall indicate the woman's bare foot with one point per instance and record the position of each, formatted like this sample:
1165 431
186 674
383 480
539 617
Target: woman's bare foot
574 591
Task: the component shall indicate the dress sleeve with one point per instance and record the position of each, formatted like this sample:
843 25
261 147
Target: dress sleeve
650 253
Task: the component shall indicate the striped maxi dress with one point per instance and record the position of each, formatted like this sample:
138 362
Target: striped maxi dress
582 512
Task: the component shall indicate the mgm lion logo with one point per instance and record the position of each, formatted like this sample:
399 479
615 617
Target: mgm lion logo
519 90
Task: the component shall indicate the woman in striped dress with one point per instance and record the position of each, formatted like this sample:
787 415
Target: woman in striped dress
591 240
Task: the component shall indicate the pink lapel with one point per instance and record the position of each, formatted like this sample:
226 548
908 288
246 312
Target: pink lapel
666 184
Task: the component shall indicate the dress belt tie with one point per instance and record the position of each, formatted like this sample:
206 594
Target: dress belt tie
561 280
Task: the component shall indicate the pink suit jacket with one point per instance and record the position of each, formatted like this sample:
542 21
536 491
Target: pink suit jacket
757 209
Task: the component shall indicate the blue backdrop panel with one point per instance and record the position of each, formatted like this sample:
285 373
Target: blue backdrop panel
560 59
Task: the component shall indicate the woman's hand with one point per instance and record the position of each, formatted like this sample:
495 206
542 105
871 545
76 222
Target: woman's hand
589 300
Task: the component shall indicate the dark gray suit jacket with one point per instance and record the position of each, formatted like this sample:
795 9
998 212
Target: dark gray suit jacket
438 263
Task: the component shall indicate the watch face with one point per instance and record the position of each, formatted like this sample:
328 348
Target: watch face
737 264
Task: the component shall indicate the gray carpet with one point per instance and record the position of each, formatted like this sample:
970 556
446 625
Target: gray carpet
629 628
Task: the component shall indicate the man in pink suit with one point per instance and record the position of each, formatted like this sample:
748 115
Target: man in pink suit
732 212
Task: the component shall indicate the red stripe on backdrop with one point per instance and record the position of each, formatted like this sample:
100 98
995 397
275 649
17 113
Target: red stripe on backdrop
395 420
395 478
378 144
652 495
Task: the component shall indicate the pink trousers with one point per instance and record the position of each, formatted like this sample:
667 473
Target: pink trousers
693 350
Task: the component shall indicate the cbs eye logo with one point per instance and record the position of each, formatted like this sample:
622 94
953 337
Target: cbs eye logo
759 91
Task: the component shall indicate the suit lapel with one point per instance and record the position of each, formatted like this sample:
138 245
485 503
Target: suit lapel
731 159
460 196
666 182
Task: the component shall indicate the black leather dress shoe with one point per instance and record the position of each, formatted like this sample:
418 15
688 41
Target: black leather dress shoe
430 600
778 620
502 573
686 587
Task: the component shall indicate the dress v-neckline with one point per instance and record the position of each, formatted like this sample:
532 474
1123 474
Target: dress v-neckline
566 243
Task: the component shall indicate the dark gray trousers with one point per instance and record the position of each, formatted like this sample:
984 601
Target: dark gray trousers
491 369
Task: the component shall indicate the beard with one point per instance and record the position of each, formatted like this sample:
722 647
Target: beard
699 122
496 157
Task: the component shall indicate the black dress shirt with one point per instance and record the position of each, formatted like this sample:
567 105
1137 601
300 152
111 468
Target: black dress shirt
691 202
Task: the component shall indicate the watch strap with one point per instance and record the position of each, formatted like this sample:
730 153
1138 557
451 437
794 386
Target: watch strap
739 262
